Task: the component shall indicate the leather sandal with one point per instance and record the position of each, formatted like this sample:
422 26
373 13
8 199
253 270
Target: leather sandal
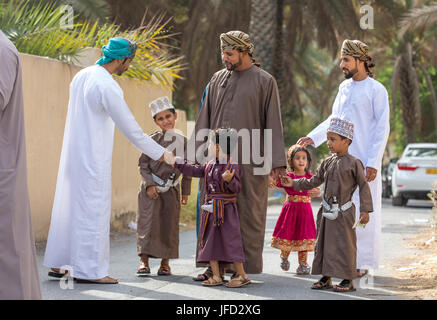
105 280
204 276
213 281
323 284
143 269
164 271
238 282
344 286
55 273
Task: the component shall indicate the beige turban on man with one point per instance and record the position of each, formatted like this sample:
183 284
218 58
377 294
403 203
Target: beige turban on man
356 49
236 40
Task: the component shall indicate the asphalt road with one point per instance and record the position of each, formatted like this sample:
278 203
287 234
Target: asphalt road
273 283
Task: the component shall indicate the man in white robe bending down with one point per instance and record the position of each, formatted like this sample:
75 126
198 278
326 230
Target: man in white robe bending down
80 223
363 101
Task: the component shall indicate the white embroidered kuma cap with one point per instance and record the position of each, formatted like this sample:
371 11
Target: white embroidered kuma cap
159 105
342 127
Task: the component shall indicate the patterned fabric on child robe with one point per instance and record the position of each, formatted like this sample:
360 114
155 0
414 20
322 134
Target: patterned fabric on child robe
158 220
336 249
222 243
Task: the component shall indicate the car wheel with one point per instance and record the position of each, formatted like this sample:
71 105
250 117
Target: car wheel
399 201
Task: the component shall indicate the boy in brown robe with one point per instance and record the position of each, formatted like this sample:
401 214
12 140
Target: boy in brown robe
335 252
159 197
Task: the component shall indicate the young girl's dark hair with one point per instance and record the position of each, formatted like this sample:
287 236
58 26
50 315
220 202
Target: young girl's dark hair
292 152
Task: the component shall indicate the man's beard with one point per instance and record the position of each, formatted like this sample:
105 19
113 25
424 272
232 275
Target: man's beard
351 73
233 66
122 68
120 71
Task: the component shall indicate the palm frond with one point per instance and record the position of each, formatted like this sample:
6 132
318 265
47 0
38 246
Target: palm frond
419 18
35 28
90 10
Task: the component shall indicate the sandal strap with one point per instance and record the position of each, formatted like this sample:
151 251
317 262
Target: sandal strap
239 279
213 279
204 276
345 284
207 273
142 265
324 280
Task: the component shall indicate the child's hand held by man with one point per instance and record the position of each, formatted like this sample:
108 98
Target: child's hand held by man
228 175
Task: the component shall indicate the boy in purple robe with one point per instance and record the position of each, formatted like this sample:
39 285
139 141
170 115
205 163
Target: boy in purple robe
220 236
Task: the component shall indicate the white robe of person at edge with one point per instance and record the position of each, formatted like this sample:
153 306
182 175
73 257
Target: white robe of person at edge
365 103
80 223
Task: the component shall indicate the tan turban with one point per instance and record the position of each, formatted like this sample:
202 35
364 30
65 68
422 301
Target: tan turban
357 49
236 40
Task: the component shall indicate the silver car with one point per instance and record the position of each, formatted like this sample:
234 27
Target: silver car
414 173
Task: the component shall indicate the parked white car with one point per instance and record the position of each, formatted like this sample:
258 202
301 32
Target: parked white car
414 173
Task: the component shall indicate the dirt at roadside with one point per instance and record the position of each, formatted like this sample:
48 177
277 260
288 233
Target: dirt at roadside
417 273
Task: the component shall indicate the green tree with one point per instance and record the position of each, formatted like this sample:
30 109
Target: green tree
262 30
36 28
90 10
422 21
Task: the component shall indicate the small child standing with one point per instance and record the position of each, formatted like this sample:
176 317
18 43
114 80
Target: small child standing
220 236
336 249
159 200
295 229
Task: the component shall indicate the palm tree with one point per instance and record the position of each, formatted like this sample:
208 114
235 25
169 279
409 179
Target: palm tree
413 56
90 10
421 18
287 28
403 42
423 21
262 28
36 29
405 77
200 45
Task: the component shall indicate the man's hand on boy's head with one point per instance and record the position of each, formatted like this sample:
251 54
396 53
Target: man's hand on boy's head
305 141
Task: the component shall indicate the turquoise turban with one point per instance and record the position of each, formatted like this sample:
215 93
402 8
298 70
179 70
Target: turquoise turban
117 48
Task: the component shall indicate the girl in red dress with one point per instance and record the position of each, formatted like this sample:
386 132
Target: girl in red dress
295 229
